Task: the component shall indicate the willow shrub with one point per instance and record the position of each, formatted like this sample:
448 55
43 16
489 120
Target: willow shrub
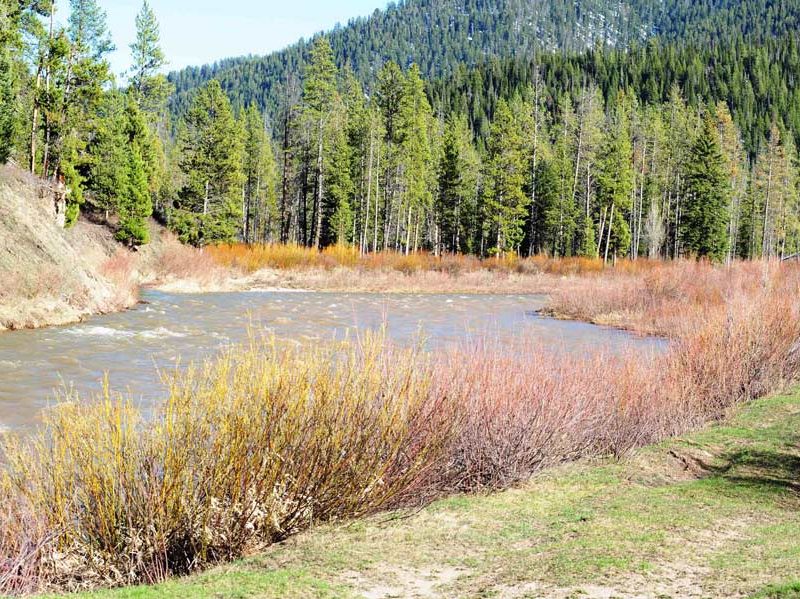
247 449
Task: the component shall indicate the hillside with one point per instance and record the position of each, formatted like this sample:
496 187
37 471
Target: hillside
52 275
439 35
756 81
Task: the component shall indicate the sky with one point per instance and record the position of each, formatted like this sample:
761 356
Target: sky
196 32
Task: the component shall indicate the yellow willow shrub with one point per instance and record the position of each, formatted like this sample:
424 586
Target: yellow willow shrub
340 255
247 449
250 258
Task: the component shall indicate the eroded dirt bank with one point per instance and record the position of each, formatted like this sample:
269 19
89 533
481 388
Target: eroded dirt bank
49 275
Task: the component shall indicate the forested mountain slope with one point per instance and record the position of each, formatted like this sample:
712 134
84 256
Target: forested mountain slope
440 35
758 82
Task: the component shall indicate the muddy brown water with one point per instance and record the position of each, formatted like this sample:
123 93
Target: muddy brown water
130 347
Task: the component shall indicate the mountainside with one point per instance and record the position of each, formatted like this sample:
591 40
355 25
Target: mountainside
439 35
758 82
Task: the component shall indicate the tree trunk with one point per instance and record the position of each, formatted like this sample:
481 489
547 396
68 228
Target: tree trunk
610 227
365 232
602 230
35 118
377 199
766 250
318 198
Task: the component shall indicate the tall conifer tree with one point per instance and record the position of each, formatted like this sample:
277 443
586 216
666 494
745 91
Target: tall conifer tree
705 219
208 209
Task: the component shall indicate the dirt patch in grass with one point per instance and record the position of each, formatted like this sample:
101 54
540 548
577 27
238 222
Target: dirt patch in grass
411 583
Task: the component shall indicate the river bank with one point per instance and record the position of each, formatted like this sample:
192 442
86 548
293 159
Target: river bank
135 494
52 276
711 514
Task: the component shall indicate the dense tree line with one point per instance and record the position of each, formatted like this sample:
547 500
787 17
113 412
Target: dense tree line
758 81
576 174
66 121
661 149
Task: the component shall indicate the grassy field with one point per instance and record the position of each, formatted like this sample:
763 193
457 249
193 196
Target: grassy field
712 514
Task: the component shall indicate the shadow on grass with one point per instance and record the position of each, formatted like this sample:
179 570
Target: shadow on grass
779 470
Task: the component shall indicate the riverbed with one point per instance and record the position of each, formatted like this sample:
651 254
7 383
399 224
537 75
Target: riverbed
167 329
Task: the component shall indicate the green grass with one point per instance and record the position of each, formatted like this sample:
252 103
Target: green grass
715 513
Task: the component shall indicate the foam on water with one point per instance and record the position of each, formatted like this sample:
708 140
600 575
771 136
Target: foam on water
97 331
161 333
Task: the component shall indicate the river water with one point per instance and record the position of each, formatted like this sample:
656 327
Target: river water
132 346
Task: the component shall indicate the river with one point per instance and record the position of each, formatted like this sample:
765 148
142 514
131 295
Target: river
132 346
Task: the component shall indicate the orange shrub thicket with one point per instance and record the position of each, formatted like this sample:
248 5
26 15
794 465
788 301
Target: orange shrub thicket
252 257
249 258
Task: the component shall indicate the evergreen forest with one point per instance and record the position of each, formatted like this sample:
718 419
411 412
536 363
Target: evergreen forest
594 128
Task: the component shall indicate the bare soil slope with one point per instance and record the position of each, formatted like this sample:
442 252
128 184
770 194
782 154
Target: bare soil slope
49 275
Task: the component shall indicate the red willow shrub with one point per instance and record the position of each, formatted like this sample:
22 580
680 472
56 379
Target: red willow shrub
526 407
663 298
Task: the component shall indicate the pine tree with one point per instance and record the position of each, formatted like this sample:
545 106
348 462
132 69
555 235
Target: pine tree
150 88
19 23
705 217
208 209
259 171
73 181
415 120
507 203
615 183
7 97
319 97
774 189
559 217
733 152
9 37
108 155
389 98
459 166
338 219
88 30
360 144
788 230
76 75
548 196
135 204
590 121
